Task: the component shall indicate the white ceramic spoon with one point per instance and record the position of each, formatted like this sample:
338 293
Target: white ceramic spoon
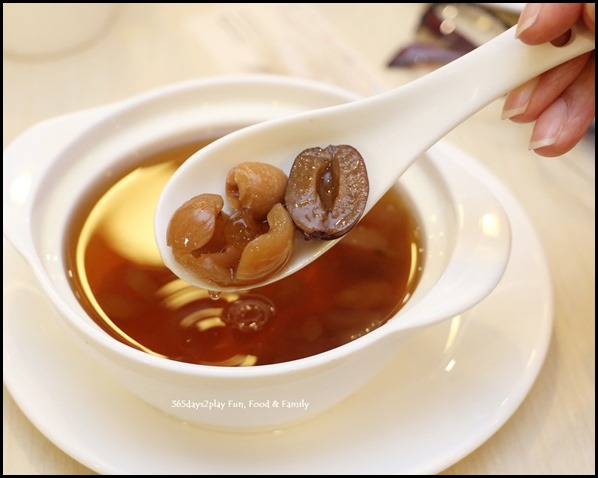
390 130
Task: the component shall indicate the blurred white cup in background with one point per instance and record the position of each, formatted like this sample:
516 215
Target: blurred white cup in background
38 29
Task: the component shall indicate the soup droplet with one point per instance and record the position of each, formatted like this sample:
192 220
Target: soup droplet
249 313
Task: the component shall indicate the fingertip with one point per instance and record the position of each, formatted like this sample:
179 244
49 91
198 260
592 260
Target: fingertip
517 100
549 126
589 15
528 17
544 22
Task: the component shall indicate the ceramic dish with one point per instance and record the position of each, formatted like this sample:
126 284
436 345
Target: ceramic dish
447 391
465 252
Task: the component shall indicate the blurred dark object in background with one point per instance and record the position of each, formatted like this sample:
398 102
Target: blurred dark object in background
449 30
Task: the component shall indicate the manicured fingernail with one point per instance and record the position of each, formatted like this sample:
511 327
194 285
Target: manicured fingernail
591 12
518 99
528 17
549 125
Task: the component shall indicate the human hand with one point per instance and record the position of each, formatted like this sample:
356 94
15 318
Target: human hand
562 100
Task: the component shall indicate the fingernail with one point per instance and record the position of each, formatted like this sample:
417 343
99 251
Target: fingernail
527 18
518 99
591 12
549 125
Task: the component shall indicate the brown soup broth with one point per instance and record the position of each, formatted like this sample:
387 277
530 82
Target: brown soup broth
121 282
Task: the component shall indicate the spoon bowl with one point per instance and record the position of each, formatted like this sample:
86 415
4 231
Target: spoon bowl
390 130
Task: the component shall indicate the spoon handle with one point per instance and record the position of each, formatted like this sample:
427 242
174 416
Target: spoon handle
444 98
490 71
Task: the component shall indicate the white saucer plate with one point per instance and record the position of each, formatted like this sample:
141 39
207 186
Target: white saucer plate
448 390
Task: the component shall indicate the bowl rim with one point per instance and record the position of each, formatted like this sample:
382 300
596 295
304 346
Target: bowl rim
141 358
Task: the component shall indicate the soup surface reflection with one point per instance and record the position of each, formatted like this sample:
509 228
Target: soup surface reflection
121 282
